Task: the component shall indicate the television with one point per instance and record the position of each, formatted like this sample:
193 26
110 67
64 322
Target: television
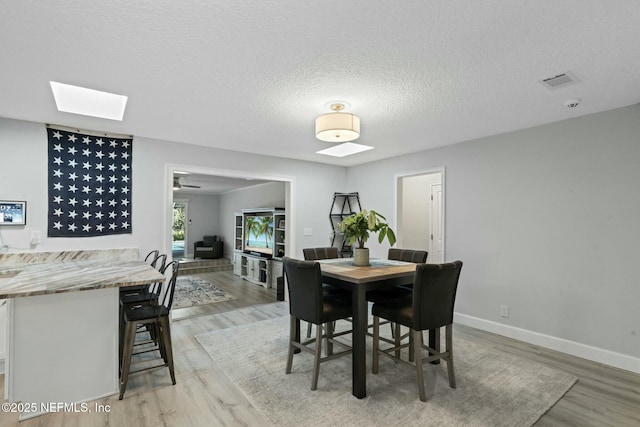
258 235
13 212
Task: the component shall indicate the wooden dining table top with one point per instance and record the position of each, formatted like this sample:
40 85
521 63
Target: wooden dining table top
379 269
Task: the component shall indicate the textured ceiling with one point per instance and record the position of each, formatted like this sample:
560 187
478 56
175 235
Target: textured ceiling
253 75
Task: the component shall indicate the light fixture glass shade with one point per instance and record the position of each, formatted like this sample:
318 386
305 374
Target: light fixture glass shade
338 127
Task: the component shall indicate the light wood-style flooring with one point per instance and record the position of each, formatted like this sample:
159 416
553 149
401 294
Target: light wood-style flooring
203 396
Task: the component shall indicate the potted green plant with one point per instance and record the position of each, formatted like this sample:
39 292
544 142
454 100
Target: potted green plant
356 228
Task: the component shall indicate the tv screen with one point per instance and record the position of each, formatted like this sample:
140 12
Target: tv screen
258 234
13 213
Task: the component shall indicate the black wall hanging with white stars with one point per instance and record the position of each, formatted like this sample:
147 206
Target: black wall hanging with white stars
89 184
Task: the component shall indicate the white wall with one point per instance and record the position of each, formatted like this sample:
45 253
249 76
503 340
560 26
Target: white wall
23 176
259 196
546 221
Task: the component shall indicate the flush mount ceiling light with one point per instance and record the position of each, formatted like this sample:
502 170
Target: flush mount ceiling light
88 102
346 149
337 126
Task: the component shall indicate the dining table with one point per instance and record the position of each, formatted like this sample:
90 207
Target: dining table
379 274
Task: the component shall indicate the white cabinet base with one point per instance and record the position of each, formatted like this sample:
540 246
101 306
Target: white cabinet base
62 348
255 269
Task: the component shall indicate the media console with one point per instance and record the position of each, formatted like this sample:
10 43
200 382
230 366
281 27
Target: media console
259 245
257 269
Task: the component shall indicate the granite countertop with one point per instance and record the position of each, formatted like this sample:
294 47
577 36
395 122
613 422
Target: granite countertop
72 276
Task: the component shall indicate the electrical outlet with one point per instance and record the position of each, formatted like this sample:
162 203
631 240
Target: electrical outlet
36 237
504 311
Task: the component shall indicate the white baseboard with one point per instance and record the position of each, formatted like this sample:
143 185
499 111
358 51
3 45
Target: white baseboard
573 348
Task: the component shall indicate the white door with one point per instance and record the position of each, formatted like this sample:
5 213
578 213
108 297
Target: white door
420 213
436 247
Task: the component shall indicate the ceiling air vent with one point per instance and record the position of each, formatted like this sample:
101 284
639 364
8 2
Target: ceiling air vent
560 80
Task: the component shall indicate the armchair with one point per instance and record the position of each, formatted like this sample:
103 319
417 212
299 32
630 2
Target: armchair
208 247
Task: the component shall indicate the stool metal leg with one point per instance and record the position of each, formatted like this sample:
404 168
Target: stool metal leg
168 350
129 337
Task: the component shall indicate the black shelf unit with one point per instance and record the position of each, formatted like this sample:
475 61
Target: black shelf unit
344 204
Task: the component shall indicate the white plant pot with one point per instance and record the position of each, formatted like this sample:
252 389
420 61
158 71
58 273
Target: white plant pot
361 257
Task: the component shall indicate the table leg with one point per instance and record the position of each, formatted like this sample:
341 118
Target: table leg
359 352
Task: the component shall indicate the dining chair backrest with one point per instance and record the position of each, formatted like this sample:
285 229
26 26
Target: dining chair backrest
434 294
167 299
151 256
305 289
408 255
160 262
313 254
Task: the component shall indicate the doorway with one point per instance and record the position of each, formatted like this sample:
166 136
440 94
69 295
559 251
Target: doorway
226 225
420 212
179 229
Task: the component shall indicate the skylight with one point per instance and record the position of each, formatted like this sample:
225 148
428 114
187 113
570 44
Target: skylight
88 102
346 149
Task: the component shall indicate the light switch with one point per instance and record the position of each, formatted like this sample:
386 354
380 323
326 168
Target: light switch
308 231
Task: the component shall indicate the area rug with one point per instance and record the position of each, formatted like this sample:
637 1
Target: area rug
493 388
193 290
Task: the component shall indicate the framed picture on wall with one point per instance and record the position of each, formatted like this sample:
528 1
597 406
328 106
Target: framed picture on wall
13 212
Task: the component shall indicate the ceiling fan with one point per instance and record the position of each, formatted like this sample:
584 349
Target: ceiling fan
177 185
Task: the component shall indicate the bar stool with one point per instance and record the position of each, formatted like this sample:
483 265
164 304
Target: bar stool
153 258
148 292
141 294
156 316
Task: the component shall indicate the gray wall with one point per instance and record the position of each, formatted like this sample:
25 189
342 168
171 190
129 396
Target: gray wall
203 216
546 221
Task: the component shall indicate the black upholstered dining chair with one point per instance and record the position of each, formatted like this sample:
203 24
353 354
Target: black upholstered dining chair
156 317
381 295
408 255
307 302
314 254
429 308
